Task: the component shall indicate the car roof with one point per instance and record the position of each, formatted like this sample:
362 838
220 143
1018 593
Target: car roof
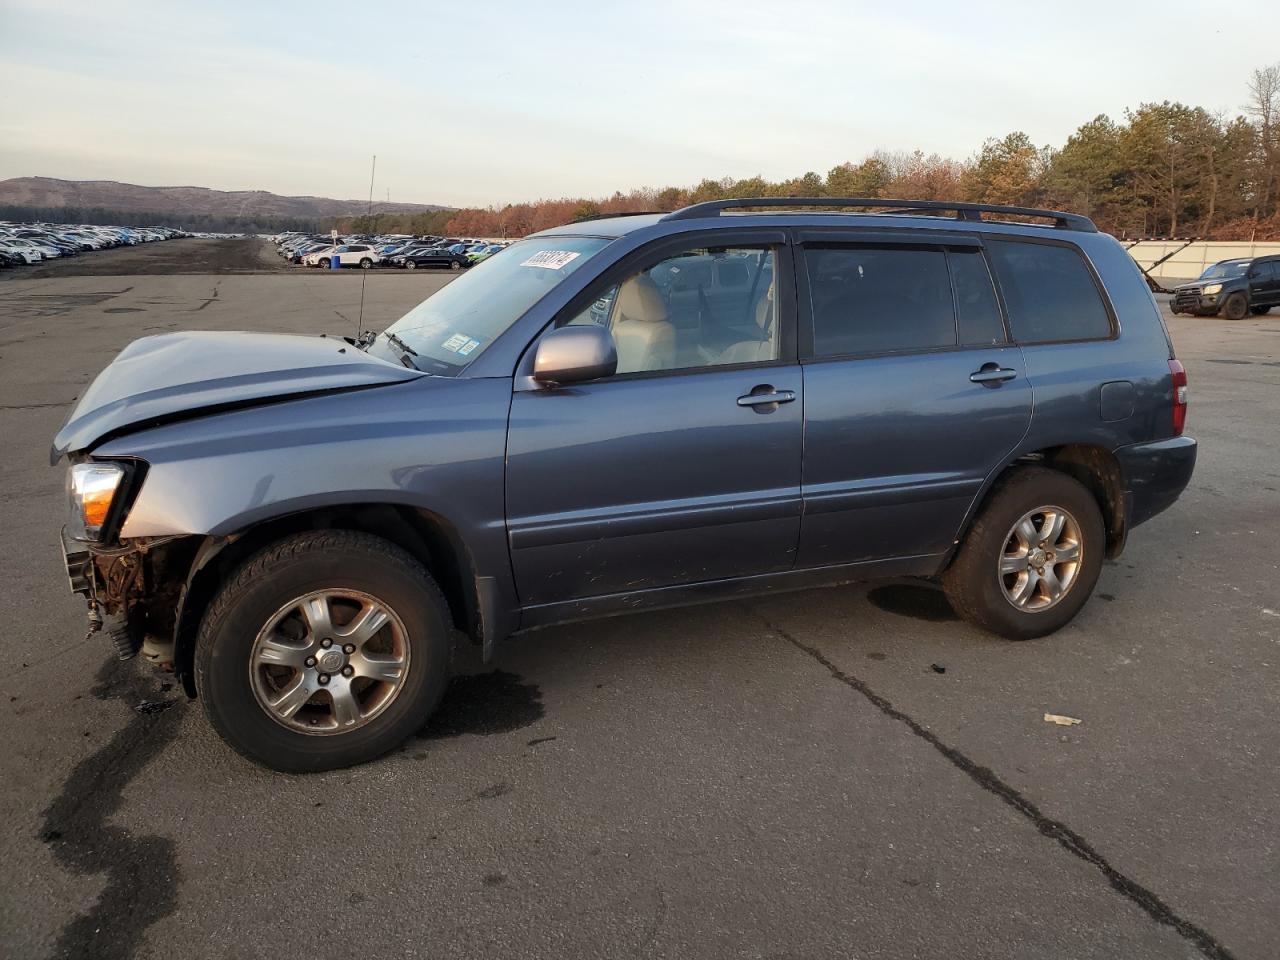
885 214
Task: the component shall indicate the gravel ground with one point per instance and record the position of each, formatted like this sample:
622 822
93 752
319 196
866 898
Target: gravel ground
785 777
189 255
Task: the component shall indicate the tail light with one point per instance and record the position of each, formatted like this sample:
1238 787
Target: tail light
1179 396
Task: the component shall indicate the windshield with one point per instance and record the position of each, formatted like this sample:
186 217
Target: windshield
1228 268
454 325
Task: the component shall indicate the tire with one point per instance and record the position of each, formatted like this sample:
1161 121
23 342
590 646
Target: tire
983 596
238 687
454 265
365 263
1259 311
410 265
1236 306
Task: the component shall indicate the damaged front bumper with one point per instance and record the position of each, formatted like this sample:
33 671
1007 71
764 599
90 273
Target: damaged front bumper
126 593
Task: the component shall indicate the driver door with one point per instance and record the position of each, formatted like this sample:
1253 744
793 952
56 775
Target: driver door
684 466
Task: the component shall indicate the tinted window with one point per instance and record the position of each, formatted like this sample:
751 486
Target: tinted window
1048 292
977 311
879 299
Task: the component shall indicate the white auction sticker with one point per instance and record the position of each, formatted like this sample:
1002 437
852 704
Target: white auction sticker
455 343
551 259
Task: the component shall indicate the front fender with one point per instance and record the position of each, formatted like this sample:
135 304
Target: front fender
435 444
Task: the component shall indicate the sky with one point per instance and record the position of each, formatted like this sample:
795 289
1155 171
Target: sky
488 102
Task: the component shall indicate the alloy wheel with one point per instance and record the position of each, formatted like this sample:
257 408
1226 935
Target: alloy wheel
329 661
1041 559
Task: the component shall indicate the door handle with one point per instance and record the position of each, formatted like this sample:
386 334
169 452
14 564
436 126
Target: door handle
773 396
992 373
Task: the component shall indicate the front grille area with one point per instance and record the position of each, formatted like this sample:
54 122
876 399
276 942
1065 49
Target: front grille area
1187 299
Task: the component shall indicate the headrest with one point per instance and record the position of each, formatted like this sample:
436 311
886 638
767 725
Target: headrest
639 300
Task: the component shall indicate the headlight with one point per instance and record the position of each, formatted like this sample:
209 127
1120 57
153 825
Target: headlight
91 488
1212 288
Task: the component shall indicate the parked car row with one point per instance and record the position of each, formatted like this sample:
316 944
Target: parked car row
398 251
24 243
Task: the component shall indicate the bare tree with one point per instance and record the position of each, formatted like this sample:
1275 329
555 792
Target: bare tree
1264 106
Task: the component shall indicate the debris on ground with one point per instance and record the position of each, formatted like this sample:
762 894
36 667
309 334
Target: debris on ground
154 706
937 668
1061 720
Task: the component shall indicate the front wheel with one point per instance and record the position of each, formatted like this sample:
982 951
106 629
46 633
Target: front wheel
1031 559
410 265
455 265
1236 307
324 650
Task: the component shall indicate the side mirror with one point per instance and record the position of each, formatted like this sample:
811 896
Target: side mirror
575 354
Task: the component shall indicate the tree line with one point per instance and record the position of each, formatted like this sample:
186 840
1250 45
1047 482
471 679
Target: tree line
1164 169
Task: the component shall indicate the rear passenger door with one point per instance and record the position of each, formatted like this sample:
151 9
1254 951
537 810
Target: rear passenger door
913 394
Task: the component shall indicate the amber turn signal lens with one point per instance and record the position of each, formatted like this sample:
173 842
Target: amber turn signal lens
92 489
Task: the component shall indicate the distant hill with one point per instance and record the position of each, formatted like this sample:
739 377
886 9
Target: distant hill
44 197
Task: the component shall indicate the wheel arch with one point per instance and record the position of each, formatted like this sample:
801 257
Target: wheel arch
1096 468
426 536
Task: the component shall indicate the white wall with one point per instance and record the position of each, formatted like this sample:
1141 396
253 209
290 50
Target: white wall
1189 263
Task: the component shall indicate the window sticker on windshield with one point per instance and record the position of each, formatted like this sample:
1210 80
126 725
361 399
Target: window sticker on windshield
468 347
552 259
455 343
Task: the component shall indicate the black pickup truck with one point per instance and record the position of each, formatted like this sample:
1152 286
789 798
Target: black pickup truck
1232 289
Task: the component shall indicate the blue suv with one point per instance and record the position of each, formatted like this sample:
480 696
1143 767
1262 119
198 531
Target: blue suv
738 397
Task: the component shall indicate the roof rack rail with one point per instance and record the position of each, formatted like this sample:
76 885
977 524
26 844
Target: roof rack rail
962 211
628 213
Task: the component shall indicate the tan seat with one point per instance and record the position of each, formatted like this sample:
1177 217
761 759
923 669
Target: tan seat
643 334
763 347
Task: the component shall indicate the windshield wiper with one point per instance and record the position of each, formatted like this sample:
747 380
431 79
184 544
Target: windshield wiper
400 343
406 351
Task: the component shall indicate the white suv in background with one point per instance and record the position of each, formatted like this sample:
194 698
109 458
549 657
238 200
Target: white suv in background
349 255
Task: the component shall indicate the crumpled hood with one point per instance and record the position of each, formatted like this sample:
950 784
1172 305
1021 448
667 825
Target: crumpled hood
180 373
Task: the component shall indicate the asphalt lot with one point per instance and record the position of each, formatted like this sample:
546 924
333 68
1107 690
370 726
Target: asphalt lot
788 777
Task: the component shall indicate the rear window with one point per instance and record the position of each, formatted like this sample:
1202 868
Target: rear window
1049 292
879 299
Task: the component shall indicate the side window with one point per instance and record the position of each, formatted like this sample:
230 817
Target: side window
1049 292
977 310
700 308
869 299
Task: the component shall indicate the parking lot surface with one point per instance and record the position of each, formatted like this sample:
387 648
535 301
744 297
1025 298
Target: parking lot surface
848 772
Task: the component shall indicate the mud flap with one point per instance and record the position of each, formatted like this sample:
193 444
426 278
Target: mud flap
487 615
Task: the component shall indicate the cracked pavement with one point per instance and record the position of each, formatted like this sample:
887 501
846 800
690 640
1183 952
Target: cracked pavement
780 777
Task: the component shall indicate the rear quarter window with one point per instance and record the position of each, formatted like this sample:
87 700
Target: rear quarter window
1049 292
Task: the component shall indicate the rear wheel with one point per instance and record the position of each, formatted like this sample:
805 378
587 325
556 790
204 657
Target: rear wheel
1259 311
1236 307
1031 559
324 650
365 263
